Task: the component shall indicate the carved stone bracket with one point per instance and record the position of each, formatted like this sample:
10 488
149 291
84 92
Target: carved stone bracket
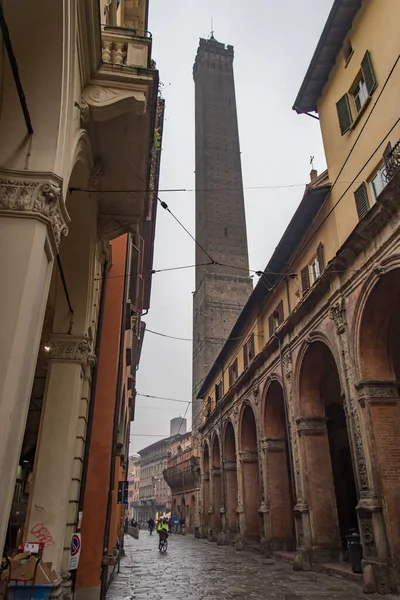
103 103
70 348
287 365
248 457
275 445
337 313
216 472
230 465
378 392
36 195
311 425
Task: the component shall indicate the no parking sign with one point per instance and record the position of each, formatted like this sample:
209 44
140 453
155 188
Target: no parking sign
75 552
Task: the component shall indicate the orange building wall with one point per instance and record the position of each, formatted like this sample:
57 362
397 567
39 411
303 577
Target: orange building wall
97 484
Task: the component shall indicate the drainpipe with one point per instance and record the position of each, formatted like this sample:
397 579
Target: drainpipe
285 405
104 564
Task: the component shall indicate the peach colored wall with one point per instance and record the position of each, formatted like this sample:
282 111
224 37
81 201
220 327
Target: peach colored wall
97 483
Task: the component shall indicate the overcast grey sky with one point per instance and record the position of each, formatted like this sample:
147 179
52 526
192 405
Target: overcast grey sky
273 43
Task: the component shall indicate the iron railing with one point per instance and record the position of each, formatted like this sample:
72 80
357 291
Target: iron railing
392 163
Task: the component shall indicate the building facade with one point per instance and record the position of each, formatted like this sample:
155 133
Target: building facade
83 99
302 446
154 493
222 278
133 486
182 474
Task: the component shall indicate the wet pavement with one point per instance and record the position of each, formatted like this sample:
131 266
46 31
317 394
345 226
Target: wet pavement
199 570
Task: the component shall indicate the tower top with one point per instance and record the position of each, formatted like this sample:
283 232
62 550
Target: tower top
210 51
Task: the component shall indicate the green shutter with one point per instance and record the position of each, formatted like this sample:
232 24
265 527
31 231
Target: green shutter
362 201
368 72
320 257
245 356
279 312
305 279
344 114
271 325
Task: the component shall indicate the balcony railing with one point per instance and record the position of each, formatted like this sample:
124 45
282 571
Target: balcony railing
122 46
392 162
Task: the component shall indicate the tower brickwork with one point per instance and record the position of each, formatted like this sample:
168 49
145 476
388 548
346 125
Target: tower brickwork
221 291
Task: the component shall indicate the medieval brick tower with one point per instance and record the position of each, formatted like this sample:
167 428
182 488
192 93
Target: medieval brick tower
221 291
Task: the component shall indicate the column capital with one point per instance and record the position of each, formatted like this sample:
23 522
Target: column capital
71 348
378 392
311 425
35 195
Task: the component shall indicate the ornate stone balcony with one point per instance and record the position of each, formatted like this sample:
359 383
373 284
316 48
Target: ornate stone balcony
183 475
122 46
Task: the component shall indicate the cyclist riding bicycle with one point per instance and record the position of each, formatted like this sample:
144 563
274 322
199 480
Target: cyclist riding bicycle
162 530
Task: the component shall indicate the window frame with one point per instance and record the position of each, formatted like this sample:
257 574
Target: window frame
379 170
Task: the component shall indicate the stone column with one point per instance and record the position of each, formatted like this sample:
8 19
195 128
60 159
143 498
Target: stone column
319 487
32 220
49 502
380 402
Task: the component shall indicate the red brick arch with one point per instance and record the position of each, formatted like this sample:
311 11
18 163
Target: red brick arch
216 483
248 445
230 476
279 493
376 325
206 485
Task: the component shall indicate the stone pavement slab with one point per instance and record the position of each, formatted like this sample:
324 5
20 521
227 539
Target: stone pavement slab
199 570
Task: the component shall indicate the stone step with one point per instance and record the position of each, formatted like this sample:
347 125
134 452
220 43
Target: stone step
334 569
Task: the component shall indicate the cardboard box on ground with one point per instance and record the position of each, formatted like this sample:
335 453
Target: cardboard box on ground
23 568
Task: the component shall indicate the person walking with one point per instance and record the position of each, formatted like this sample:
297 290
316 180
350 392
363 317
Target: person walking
150 523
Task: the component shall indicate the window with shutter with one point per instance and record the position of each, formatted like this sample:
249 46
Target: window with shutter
320 257
271 325
362 201
251 347
368 73
245 356
344 114
305 279
279 313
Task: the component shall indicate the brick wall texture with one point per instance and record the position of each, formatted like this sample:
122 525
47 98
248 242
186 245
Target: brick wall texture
221 291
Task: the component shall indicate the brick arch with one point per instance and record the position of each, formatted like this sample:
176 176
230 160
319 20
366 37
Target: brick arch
216 484
272 380
247 437
279 492
376 324
206 484
230 476
324 444
248 445
309 371
215 451
229 443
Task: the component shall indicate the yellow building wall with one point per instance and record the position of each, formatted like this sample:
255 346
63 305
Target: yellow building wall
375 28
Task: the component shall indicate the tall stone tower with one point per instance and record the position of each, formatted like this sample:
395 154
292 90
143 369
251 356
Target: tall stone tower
221 291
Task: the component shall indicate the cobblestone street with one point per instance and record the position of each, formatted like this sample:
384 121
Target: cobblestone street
199 570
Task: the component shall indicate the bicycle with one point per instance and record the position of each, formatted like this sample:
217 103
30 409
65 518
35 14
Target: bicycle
163 543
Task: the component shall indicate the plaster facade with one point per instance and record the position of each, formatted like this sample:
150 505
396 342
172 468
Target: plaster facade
91 102
302 446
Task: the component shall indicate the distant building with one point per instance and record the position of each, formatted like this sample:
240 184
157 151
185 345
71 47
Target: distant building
182 473
133 486
154 493
178 426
